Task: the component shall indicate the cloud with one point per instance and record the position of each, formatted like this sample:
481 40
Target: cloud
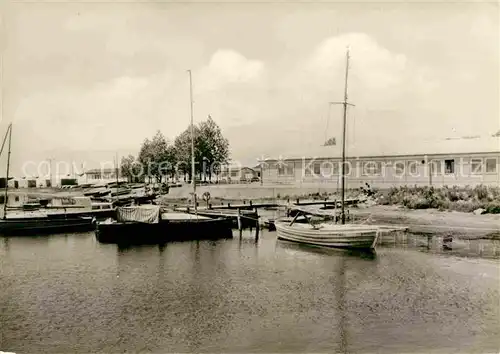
121 112
229 67
105 79
243 95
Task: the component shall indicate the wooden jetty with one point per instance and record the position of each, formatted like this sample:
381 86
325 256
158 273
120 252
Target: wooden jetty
247 211
252 205
327 203
248 218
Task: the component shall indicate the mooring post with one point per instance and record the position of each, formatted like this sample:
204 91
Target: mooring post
257 225
239 222
335 210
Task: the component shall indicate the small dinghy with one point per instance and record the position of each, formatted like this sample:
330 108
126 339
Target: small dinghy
326 234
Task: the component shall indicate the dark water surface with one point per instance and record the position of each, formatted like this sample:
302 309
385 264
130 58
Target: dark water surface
70 294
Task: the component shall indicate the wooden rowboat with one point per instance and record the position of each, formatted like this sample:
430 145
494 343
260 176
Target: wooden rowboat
327 234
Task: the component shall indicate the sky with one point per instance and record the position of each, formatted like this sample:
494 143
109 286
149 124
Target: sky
86 81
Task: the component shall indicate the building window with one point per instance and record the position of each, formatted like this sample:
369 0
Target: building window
317 168
347 168
476 166
234 173
436 167
449 167
400 168
285 170
372 168
412 167
491 165
335 168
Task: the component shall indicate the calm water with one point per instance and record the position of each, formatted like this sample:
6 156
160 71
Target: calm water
65 294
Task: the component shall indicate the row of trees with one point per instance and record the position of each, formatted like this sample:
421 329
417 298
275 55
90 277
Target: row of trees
159 158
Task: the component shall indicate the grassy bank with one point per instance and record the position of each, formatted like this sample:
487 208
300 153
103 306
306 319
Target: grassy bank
466 199
259 192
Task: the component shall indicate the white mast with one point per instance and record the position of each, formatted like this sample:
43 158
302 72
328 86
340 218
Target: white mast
193 179
9 131
344 122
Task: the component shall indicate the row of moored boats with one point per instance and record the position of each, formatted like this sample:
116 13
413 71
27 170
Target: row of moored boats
156 224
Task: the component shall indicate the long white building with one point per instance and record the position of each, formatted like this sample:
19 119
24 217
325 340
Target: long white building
452 162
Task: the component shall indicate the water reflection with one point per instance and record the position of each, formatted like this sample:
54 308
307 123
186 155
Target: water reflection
239 296
362 254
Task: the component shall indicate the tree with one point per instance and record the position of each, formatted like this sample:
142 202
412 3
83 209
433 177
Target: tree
182 150
214 147
126 167
211 150
145 157
157 157
497 134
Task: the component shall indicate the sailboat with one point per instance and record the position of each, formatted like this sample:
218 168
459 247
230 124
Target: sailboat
37 222
301 229
152 224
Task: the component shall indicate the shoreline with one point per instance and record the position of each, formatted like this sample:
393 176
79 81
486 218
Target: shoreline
462 225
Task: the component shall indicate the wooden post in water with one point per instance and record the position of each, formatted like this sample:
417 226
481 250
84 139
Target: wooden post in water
240 228
257 225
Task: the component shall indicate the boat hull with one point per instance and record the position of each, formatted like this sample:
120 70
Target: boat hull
164 231
336 236
98 214
248 218
38 226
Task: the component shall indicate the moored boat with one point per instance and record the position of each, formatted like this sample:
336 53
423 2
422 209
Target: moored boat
248 218
148 224
29 221
327 234
40 223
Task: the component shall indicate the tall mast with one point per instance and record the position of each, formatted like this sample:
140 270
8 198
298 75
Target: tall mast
193 179
344 123
343 136
7 174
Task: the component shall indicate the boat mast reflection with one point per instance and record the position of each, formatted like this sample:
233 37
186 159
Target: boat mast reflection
342 306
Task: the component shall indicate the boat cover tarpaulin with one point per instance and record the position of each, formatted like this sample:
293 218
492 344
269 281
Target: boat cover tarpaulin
314 210
149 214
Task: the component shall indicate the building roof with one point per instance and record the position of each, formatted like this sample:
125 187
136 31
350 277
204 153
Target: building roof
236 168
388 148
101 170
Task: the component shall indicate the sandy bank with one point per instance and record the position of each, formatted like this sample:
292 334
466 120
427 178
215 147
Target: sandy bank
432 221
